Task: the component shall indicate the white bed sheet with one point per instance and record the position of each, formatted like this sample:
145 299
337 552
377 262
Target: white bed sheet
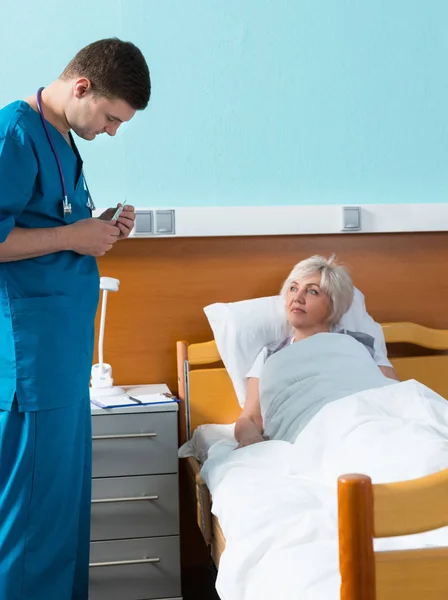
277 504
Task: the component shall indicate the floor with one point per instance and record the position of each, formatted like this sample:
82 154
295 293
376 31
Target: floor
198 583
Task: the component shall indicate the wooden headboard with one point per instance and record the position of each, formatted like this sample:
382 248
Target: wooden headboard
206 388
165 284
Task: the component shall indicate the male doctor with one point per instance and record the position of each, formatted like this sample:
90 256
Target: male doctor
49 288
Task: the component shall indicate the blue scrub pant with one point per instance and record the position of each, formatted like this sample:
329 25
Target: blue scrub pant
45 495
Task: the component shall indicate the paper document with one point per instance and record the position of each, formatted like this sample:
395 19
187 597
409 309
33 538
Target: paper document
129 400
113 401
152 398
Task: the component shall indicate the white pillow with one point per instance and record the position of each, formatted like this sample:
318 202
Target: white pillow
242 329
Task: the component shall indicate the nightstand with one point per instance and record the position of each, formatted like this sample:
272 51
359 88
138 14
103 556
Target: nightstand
134 549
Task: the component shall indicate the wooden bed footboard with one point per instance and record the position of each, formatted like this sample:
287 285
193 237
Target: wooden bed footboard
367 511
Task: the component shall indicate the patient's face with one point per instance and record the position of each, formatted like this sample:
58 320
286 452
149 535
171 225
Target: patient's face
307 305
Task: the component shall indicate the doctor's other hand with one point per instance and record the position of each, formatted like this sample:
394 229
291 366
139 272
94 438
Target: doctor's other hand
93 237
125 221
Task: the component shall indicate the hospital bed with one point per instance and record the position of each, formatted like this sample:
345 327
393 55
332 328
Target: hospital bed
365 511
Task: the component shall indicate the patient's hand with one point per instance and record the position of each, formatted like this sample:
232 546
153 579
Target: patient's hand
250 439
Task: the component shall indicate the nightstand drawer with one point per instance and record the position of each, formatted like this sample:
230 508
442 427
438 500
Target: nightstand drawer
134 507
135 569
134 444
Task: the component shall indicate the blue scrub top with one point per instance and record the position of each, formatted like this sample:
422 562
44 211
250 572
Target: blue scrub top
47 304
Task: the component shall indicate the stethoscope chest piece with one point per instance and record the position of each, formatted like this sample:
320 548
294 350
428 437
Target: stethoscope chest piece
67 207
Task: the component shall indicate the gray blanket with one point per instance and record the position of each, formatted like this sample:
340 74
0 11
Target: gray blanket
300 379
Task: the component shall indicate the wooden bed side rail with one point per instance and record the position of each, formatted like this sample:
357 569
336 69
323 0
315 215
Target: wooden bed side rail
203 500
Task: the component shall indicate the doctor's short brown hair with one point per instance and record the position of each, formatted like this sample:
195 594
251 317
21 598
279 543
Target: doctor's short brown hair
115 69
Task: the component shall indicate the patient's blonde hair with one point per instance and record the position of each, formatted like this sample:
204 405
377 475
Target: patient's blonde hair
335 281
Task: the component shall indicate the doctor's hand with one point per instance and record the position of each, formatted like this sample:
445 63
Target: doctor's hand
93 237
125 221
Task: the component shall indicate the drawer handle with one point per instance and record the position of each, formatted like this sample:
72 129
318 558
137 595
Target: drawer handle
116 563
132 499
124 436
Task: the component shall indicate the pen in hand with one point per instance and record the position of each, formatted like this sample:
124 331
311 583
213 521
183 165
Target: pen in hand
118 211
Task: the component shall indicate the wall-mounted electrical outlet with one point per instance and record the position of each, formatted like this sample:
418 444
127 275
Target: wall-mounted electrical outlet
351 218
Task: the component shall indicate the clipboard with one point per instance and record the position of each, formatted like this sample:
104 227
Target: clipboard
125 401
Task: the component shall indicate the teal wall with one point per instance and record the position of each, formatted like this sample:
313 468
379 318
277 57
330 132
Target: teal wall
257 102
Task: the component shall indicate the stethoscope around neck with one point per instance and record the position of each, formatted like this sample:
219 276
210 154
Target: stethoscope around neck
67 207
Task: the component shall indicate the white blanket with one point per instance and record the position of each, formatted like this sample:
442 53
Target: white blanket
276 501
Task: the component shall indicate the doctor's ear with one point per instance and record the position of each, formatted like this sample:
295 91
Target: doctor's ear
82 87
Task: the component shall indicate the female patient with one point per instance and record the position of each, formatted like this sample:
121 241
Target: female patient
332 364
